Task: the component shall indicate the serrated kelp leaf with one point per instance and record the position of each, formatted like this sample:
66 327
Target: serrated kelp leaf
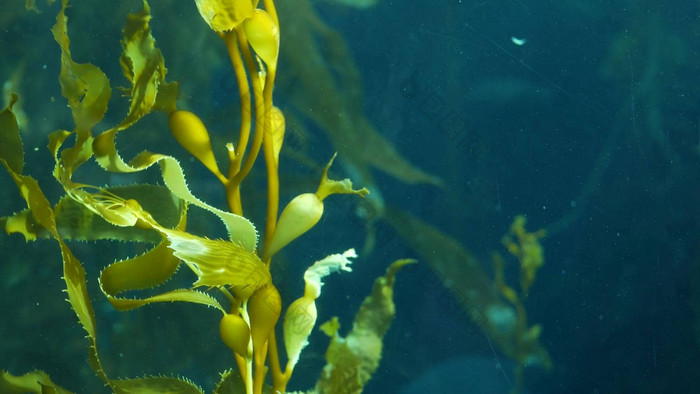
156 384
25 223
232 383
148 270
143 65
31 382
351 361
36 201
73 271
87 90
217 262
141 272
76 287
240 229
10 143
179 295
85 86
76 221
145 271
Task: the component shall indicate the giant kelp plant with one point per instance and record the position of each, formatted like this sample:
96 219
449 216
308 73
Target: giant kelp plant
232 275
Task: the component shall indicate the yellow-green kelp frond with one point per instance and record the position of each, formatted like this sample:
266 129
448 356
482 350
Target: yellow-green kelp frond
76 221
300 317
11 148
353 360
526 247
155 384
143 65
85 86
73 271
79 299
217 262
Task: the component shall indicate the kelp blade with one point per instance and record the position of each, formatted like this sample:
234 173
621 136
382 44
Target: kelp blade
353 360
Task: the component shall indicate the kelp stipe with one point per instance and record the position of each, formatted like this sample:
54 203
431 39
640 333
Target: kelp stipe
234 270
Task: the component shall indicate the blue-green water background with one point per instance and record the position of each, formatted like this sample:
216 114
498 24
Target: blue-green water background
590 128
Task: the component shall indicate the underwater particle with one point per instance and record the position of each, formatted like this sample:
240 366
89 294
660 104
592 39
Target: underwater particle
518 41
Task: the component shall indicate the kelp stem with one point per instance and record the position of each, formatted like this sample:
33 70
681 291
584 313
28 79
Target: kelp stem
271 162
279 379
259 109
234 52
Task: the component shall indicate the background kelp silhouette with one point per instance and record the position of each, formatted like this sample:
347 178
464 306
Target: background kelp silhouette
235 272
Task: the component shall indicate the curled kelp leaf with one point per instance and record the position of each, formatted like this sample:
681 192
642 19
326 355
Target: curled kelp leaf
240 229
351 361
87 90
146 271
85 86
75 221
143 65
118 279
300 317
73 271
215 262
10 142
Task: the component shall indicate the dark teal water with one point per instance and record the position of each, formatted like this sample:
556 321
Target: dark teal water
584 116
